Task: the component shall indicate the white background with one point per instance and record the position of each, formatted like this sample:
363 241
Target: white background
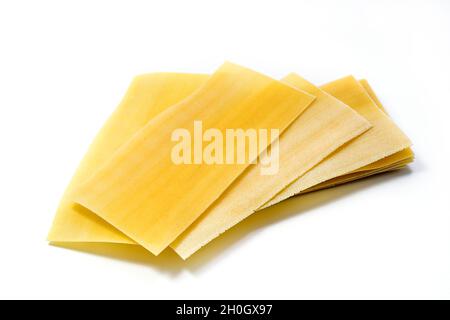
64 66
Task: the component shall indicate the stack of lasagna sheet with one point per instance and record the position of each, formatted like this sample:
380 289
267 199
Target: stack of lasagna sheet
185 157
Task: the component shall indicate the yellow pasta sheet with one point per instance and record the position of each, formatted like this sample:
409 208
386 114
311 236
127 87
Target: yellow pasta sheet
143 193
395 161
404 156
382 140
325 126
147 96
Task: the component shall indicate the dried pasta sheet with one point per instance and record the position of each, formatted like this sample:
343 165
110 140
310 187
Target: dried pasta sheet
395 161
382 140
325 126
402 157
147 96
151 199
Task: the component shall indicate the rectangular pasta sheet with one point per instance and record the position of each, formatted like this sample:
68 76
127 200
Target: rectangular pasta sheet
147 96
395 161
326 125
405 156
144 194
382 140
